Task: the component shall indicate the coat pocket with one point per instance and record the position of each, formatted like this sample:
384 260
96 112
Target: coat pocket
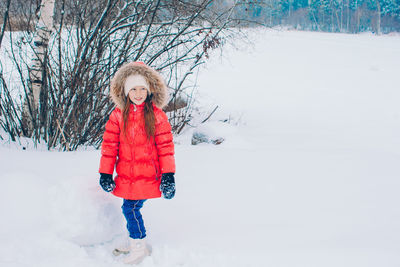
155 168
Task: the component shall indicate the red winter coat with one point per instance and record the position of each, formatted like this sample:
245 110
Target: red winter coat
139 161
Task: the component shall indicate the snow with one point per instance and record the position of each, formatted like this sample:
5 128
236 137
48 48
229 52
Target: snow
308 174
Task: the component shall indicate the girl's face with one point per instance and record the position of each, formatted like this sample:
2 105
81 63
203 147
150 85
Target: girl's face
137 94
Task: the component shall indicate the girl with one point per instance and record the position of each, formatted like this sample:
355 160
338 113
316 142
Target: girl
138 142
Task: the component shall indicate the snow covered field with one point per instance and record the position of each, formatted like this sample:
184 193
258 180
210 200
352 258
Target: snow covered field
309 178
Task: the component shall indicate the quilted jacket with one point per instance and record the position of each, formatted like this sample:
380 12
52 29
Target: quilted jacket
139 161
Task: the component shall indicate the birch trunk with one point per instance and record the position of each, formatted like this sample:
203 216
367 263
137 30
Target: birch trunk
43 30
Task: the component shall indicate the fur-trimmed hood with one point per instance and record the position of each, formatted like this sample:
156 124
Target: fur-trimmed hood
157 85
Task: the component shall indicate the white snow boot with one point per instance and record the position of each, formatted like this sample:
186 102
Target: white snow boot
138 251
122 249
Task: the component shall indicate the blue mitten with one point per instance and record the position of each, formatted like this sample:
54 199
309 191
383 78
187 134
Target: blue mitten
167 186
107 182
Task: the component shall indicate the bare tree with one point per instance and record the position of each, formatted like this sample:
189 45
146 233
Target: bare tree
92 39
5 124
5 20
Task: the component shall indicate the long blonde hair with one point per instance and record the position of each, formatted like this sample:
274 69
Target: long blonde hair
149 118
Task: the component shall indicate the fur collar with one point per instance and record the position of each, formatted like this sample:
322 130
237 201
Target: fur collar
157 85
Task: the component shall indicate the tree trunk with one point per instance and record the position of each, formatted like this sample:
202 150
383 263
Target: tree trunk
348 16
43 30
3 28
378 17
357 18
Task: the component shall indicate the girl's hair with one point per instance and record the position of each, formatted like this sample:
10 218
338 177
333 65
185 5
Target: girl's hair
149 118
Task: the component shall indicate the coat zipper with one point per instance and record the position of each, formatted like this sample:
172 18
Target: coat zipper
133 137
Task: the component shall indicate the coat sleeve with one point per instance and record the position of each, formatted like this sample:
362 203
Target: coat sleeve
164 143
110 144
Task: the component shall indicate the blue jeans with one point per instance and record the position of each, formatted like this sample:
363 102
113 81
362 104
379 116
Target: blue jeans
131 211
